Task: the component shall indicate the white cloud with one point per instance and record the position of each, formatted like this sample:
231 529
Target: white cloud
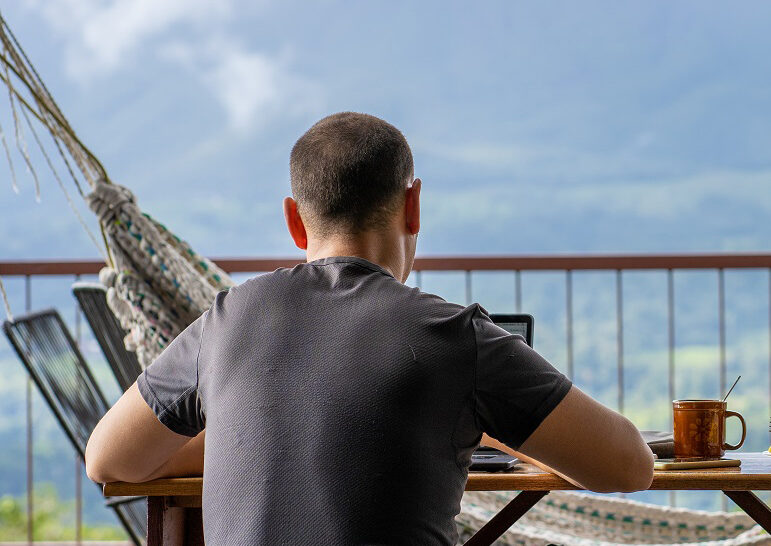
100 37
246 83
663 199
251 86
480 154
550 160
673 197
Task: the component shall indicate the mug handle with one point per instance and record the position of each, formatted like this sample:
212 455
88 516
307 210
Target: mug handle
744 430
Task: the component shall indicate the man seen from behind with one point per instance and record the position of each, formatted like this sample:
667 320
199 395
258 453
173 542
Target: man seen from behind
330 403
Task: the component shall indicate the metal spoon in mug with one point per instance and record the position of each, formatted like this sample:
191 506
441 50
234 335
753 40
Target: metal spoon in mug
732 388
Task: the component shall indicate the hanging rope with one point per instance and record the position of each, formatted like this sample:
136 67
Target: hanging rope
49 114
21 143
64 190
7 303
14 185
16 64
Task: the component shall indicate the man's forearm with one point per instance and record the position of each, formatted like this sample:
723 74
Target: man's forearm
492 442
188 461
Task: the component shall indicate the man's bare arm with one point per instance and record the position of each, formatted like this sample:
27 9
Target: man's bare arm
492 442
187 461
130 444
589 445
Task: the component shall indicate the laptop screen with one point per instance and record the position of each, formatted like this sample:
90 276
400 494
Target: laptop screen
516 324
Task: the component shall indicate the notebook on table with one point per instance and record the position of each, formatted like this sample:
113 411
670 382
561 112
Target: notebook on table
488 459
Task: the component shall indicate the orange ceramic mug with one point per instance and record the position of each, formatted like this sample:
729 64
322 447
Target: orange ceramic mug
699 427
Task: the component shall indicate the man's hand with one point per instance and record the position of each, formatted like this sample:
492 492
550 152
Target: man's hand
130 444
589 445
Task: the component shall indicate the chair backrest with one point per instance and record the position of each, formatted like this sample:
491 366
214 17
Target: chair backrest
92 298
56 365
53 360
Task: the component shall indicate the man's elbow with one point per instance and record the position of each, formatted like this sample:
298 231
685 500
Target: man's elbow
94 466
631 466
102 471
102 466
96 473
97 469
639 472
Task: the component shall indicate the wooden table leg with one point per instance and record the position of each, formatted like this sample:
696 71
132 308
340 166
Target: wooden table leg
193 527
504 519
755 508
169 525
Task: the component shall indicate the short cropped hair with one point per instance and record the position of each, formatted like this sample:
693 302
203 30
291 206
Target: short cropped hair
348 173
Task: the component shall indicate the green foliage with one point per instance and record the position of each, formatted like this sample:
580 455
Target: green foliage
52 519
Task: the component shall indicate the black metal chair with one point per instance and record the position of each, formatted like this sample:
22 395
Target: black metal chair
92 298
56 365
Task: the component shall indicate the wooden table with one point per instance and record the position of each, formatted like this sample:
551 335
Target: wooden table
174 505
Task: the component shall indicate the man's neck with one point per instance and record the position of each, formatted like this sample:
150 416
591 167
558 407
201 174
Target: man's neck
385 250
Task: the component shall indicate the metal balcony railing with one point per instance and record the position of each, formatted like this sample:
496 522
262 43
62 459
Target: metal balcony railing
619 266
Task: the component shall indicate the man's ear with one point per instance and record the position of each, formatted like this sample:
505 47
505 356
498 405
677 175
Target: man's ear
412 207
295 224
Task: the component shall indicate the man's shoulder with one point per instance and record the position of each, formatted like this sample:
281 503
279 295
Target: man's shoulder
408 301
260 283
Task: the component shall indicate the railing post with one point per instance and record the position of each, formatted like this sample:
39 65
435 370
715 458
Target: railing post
721 328
518 290
569 319
620 339
671 340
671 336
468 287
30 462
78 462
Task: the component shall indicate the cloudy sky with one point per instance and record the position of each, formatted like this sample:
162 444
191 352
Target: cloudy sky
536 127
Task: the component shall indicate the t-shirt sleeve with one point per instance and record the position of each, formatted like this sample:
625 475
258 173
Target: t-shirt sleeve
516 388
170 384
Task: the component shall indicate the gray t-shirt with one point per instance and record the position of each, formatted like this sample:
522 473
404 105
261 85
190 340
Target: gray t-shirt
342 407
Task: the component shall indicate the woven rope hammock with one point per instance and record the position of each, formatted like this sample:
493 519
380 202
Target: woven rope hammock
582 519
157 285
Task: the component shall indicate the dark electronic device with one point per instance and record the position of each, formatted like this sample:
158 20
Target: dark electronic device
488 459
516 324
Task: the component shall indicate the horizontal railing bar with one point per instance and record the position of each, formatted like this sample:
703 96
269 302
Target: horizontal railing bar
447 263
593 262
